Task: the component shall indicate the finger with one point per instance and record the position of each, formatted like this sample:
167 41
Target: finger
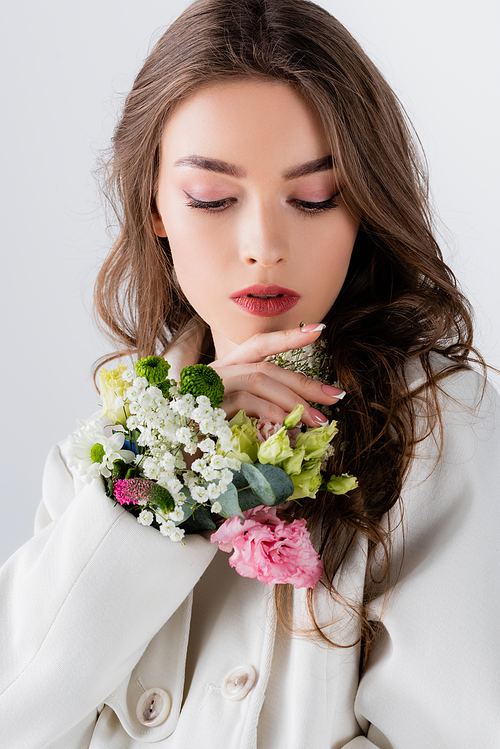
272 391
261 378
252 405
261 345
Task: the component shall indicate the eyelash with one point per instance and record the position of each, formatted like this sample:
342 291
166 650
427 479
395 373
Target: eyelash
216 206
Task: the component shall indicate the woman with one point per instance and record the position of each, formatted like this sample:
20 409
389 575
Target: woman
265 177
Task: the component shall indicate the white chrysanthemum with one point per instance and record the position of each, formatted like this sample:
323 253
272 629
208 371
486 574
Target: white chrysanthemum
93 453
145 518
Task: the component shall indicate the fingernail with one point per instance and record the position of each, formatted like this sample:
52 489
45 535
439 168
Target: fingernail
333 392
318 418
313 327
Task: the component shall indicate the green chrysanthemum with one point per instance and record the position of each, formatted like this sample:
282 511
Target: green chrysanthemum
202 380
153 368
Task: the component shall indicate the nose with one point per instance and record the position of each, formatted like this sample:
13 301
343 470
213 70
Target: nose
264 238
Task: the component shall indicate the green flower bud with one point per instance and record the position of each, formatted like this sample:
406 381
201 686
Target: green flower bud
153 368
294 417
275 449
202 380
342 484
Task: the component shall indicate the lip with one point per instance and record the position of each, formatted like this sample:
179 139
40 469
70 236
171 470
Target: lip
247 300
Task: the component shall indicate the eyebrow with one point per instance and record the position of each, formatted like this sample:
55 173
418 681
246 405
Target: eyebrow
222 167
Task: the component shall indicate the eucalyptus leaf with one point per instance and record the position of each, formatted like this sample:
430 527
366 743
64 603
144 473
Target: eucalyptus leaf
259 484
230 504
240 481
200 520
281 483
187 507
247 500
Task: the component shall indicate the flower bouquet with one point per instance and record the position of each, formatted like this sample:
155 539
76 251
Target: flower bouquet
167 454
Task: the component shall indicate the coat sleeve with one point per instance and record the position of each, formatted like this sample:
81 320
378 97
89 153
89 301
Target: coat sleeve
433 680
79 604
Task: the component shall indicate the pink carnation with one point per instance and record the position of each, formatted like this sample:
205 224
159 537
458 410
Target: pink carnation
270 549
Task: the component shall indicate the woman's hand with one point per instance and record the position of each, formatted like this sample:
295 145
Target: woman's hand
267 391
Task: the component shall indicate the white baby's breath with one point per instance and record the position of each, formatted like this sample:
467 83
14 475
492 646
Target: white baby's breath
146 517
167 430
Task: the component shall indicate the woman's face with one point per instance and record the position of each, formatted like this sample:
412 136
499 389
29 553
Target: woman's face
249 200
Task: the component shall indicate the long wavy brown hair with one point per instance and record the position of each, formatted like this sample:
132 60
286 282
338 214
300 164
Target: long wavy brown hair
399 300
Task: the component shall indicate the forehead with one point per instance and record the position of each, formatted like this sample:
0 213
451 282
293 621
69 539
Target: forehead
244 120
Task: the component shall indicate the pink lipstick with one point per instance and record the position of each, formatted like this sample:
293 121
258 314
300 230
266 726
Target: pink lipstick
265 301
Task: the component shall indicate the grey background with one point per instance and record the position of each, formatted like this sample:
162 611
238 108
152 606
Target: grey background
65 68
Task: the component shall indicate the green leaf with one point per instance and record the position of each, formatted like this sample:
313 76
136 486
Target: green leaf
188 507
119 469
200 520
247 499
229 503
132 472
262 476
259 484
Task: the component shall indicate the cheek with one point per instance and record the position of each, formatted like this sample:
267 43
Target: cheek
329 261
196 265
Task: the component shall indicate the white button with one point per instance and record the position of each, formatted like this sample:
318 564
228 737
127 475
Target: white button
238 683
153 707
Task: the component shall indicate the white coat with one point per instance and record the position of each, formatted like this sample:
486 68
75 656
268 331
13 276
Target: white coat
97 609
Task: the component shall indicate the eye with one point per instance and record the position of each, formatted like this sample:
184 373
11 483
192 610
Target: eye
211 206
308 207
